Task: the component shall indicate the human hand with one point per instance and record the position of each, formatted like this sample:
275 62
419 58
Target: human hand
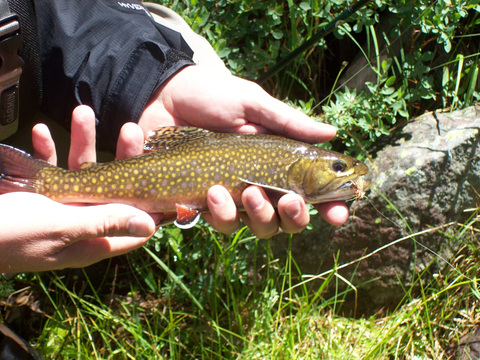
203 97
39 234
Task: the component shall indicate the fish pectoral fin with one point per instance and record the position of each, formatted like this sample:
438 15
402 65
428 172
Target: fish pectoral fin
169 136
270 187
186 217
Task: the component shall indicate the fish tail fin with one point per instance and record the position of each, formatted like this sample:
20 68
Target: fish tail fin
18 170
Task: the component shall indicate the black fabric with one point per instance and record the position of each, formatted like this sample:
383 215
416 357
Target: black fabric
15 348
30 81
107 54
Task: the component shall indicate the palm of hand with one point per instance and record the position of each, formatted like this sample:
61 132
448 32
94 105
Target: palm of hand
202 97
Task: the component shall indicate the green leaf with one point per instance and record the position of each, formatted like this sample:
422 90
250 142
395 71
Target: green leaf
445 77
391 80
305 6
277 34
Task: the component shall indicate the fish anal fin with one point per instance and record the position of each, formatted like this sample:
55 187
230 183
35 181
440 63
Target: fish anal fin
186 217
169 136
269 187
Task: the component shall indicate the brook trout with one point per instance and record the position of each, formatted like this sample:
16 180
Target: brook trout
182 163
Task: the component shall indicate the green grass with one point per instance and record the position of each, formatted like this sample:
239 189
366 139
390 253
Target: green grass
150 305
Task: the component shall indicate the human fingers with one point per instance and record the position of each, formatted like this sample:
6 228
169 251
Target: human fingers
280 118
130 141
261 216
336 213
103 231
43 144
82 141
47 235
293 212
240 106
223 212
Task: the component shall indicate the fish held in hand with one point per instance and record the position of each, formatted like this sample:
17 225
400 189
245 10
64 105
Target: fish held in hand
182 163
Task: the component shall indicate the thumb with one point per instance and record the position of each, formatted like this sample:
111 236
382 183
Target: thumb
111 220
104 231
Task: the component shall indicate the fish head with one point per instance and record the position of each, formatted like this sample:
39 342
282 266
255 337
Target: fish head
325 176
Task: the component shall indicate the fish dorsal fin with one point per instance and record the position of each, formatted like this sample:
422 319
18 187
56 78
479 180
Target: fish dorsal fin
165 138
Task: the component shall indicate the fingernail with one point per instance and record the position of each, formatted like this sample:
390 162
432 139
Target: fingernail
255 202
292 209
139 226
217 197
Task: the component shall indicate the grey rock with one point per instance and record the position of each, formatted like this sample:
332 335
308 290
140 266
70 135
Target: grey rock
431 177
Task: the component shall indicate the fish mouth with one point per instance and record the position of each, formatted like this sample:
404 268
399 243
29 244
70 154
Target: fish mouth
350 190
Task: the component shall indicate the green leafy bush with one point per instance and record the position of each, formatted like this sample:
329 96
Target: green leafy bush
434 63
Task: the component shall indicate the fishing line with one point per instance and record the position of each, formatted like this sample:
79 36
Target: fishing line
379 212
309 278
412 236
408 227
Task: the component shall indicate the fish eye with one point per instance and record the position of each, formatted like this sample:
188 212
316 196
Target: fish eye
339 166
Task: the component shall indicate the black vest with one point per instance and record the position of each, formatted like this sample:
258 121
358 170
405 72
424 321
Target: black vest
30 81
